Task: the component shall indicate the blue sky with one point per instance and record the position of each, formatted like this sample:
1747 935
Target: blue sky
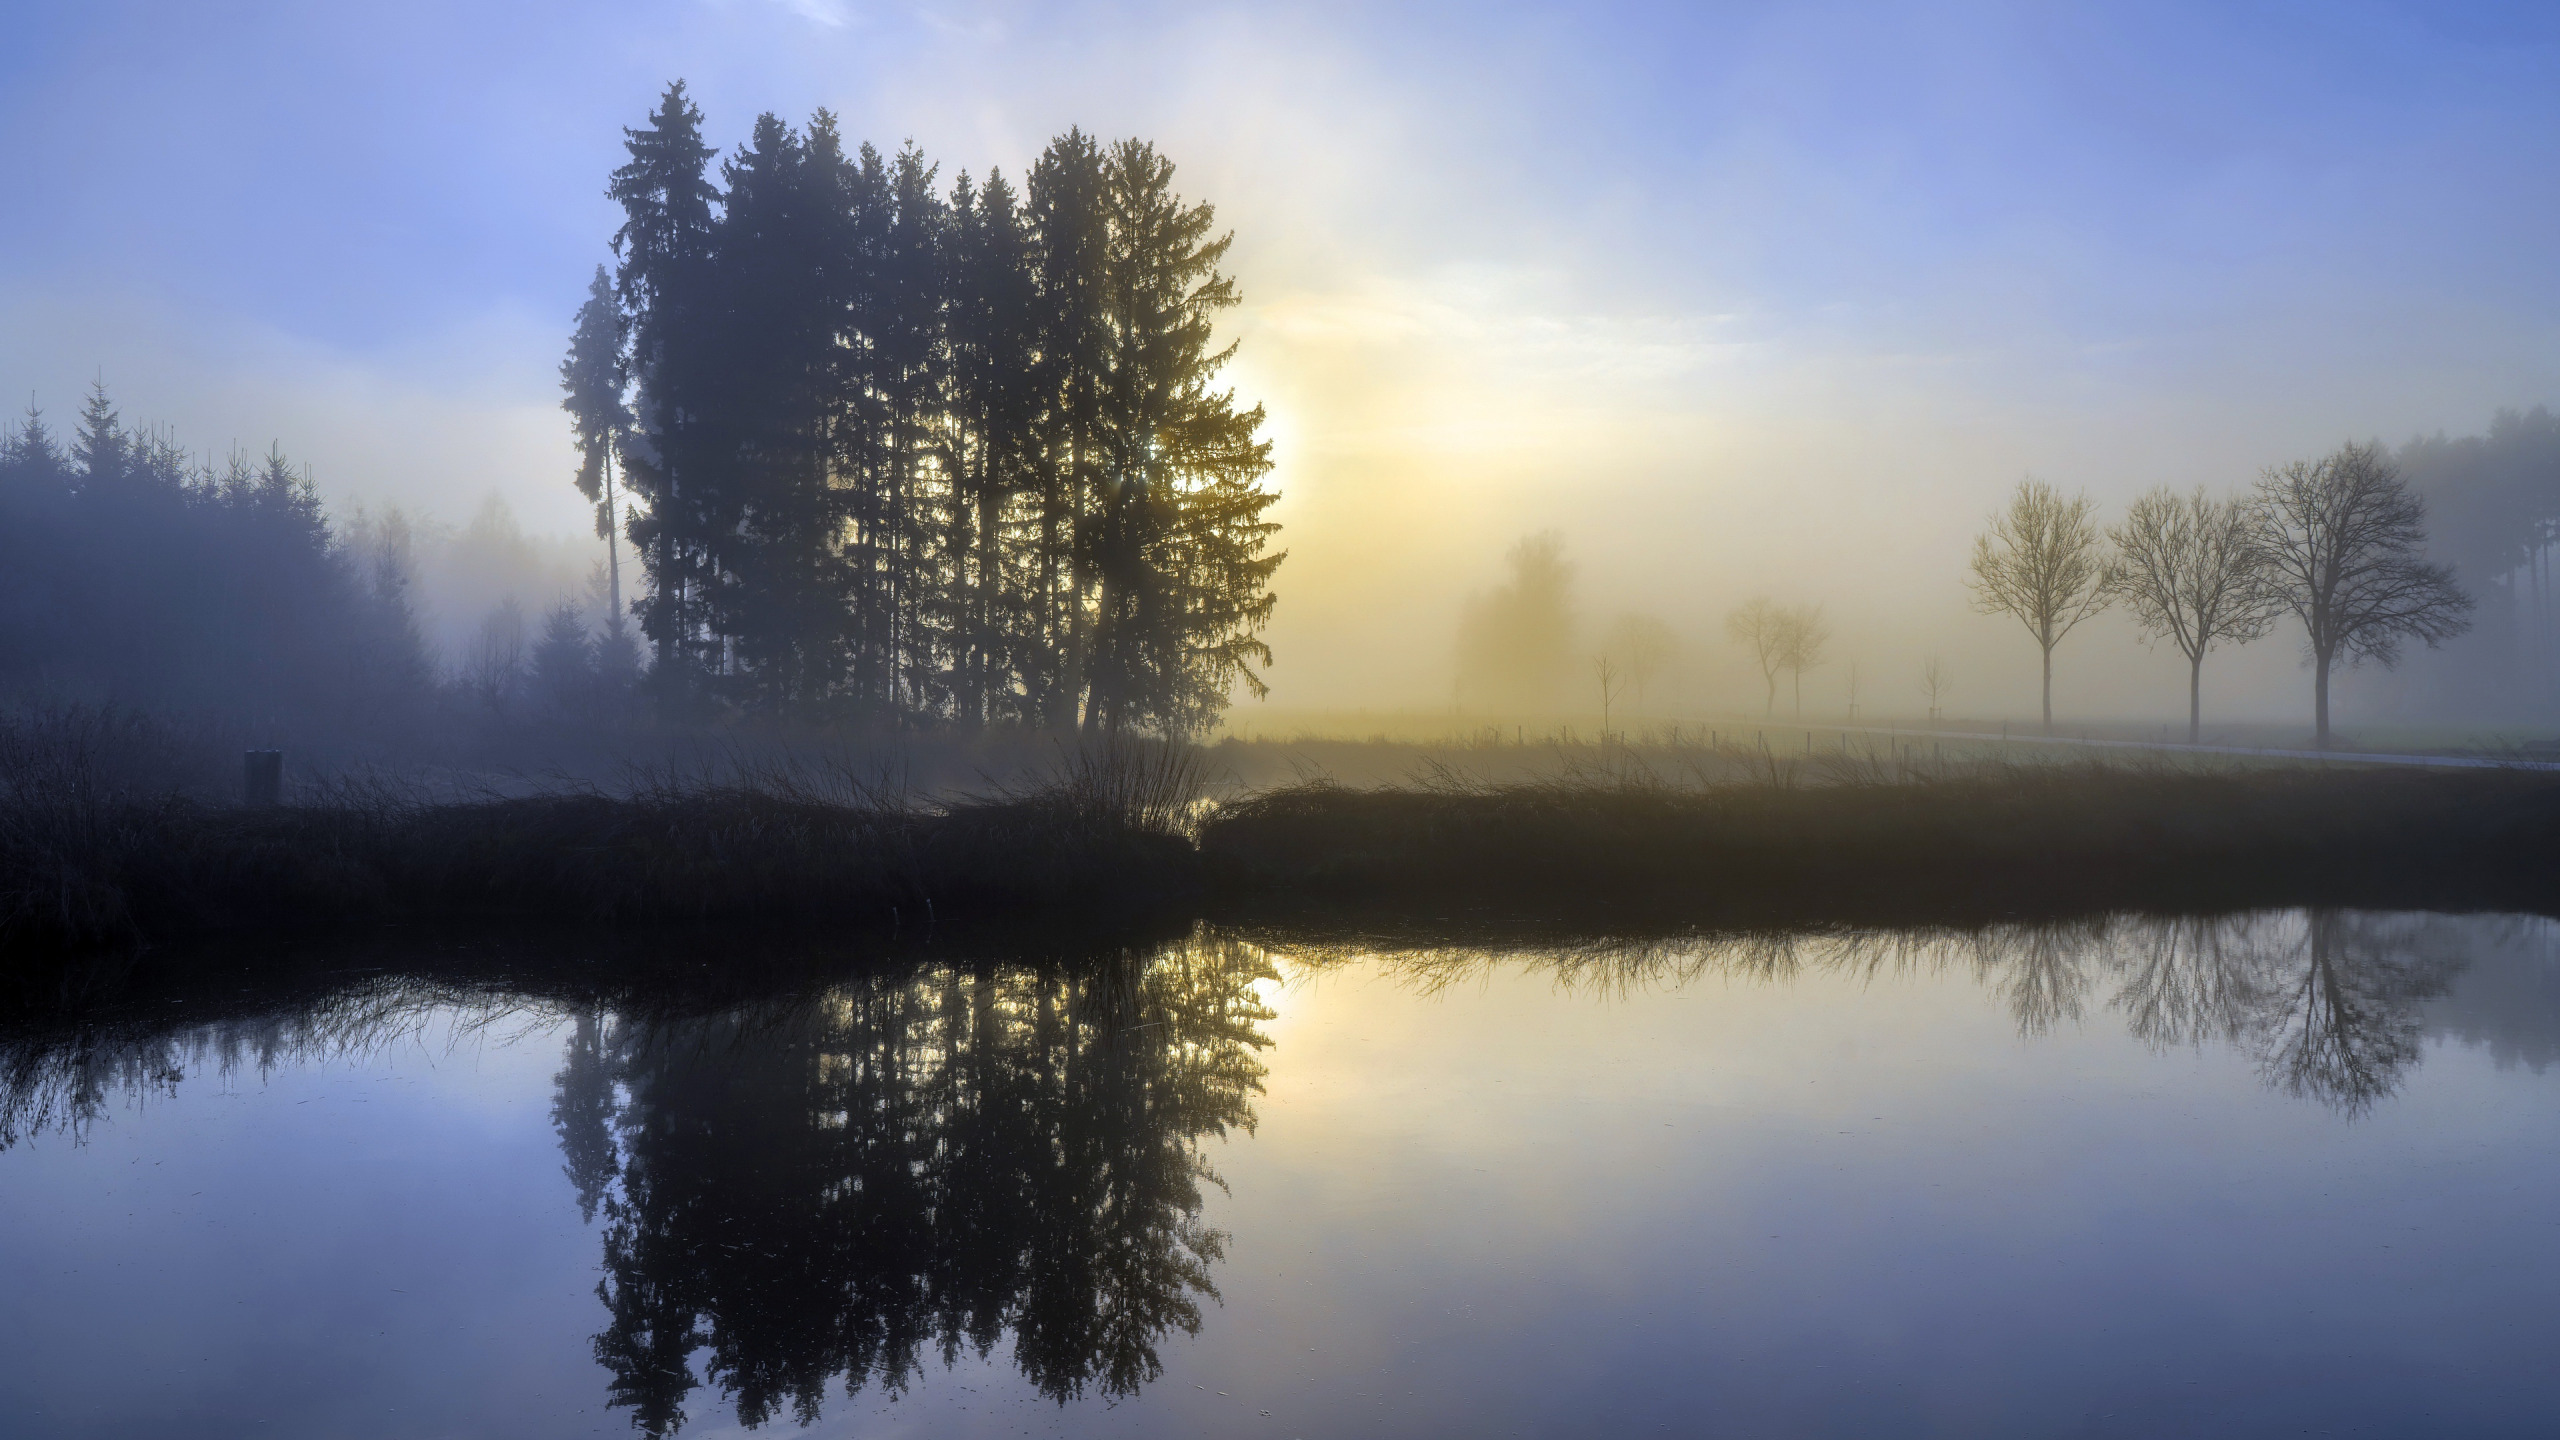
1742 297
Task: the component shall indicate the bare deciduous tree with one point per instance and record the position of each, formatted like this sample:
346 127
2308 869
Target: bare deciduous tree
2040 562
1934 684
1804 636
2188 568
1640 645
2340 538
1613 678
1761 627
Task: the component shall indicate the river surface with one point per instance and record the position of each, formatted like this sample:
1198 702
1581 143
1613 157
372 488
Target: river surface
2273 1174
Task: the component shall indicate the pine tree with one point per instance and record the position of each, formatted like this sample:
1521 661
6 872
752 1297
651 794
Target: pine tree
30 456
995 406
593 377
101 446
662 281
1178 534
1070 228
909 344
768 414
917 459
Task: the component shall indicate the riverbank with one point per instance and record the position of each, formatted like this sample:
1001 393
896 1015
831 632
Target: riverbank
1128 836
1991 842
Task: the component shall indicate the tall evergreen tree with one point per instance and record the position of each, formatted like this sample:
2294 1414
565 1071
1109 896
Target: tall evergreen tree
1070 227
101 446
909 348
990 448
769 414
594 376
916 459
1178 534
663 282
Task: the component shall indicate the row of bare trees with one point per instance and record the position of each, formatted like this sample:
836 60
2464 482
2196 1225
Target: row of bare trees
1789 638
2335 543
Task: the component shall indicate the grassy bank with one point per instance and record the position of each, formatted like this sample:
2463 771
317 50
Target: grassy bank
90 860
96 853
1986 842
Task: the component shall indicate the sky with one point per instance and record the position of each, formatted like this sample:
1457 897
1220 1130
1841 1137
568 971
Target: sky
1741 298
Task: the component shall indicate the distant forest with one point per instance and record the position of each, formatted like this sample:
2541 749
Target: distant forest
132 572
902 455
885 454
2493 512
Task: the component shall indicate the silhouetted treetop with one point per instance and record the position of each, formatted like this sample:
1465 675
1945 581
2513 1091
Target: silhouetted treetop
908 454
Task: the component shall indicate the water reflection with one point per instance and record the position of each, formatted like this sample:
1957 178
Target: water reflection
828 1190
2328 1002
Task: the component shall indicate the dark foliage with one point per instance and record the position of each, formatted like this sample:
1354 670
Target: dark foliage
904 457
134 574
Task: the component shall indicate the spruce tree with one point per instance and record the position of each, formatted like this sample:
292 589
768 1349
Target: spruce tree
662 280
763 412
995 407
593 378
1178 534
909 346
915 459
101 446
1070 229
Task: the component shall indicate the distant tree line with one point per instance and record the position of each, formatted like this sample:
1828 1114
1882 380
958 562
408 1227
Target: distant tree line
133 572
2493 506
2335 543
897 453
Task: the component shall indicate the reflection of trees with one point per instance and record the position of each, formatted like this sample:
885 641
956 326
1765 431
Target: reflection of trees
2187 979
2327 1000
2042 970
2341 1023
909 1164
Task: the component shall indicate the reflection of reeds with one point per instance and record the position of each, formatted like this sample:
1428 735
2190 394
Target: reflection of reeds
63 1077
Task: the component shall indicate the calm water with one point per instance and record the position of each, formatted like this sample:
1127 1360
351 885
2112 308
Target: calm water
2279 1174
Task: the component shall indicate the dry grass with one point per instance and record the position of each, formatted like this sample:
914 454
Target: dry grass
106 841
86 864
1854 838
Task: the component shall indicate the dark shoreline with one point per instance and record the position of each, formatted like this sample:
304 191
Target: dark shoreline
737 863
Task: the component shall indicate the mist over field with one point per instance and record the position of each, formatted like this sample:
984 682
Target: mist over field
1166 719
1746 302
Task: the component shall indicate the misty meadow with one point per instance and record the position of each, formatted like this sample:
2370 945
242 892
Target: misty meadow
1839 721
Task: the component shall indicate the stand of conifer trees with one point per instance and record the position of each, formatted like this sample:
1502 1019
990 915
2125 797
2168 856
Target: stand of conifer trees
902 456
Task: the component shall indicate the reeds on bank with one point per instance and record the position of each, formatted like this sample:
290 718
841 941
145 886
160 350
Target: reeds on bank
107 838
1853 837
96 851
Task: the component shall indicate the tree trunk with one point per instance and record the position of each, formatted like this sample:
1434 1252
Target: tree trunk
2195 696
2320 698
612 540
2048 689
1769 706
